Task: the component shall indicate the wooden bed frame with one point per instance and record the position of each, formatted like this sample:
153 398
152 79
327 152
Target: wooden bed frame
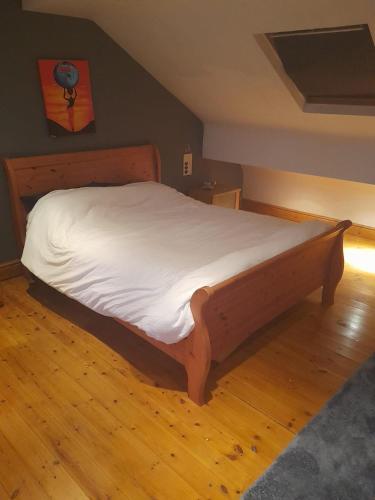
224 314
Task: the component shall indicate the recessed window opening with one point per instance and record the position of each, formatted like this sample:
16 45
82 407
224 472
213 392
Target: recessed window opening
330 66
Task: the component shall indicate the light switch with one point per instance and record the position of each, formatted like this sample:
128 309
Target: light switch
188 164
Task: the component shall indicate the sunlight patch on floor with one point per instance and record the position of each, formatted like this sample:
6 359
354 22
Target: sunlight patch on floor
360 258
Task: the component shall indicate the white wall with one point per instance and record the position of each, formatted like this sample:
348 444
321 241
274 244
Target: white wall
308 193
335 156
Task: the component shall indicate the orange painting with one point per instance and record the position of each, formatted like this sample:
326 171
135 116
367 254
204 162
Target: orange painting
67 96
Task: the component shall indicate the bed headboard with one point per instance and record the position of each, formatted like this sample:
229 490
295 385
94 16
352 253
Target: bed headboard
32 175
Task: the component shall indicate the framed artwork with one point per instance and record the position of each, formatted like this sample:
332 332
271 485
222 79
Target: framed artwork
66 90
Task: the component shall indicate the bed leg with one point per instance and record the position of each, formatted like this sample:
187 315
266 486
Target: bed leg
198 358
28 275
335 272
197 370
328 296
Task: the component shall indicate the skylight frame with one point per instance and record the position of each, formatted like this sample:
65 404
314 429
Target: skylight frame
347 105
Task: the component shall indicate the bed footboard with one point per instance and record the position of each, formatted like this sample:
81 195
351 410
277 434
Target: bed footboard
226 314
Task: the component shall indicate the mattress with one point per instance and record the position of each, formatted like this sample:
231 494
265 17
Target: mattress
138 252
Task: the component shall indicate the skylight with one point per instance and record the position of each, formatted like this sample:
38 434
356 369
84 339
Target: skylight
333 67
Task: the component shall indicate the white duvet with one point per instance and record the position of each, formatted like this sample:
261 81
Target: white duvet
138 252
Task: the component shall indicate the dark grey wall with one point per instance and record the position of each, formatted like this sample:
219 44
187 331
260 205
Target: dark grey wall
131 107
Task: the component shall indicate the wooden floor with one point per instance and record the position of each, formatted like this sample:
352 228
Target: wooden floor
96 413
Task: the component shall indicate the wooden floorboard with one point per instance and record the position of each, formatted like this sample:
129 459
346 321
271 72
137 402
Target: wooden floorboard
90 411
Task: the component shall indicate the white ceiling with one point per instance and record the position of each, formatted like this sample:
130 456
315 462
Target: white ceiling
205 53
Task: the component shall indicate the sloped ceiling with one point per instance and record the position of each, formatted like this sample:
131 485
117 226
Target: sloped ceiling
205 53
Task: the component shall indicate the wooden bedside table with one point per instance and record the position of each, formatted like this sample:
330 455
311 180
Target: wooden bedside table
222 196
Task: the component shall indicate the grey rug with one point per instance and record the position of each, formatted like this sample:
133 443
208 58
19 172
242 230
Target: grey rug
333 457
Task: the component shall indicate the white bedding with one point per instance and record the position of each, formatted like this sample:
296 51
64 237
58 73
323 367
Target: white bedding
138 252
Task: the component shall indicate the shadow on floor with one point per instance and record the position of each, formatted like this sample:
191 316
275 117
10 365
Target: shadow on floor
149 365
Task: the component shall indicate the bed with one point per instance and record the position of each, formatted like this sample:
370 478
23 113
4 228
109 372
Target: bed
225 303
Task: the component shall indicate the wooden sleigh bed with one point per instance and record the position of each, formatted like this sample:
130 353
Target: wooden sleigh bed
225 314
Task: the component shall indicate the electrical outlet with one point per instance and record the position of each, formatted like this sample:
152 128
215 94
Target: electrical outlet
188 164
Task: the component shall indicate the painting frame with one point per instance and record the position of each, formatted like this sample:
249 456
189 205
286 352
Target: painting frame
67 96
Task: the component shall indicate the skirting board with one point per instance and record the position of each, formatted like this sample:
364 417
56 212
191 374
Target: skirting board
10 269
291 214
